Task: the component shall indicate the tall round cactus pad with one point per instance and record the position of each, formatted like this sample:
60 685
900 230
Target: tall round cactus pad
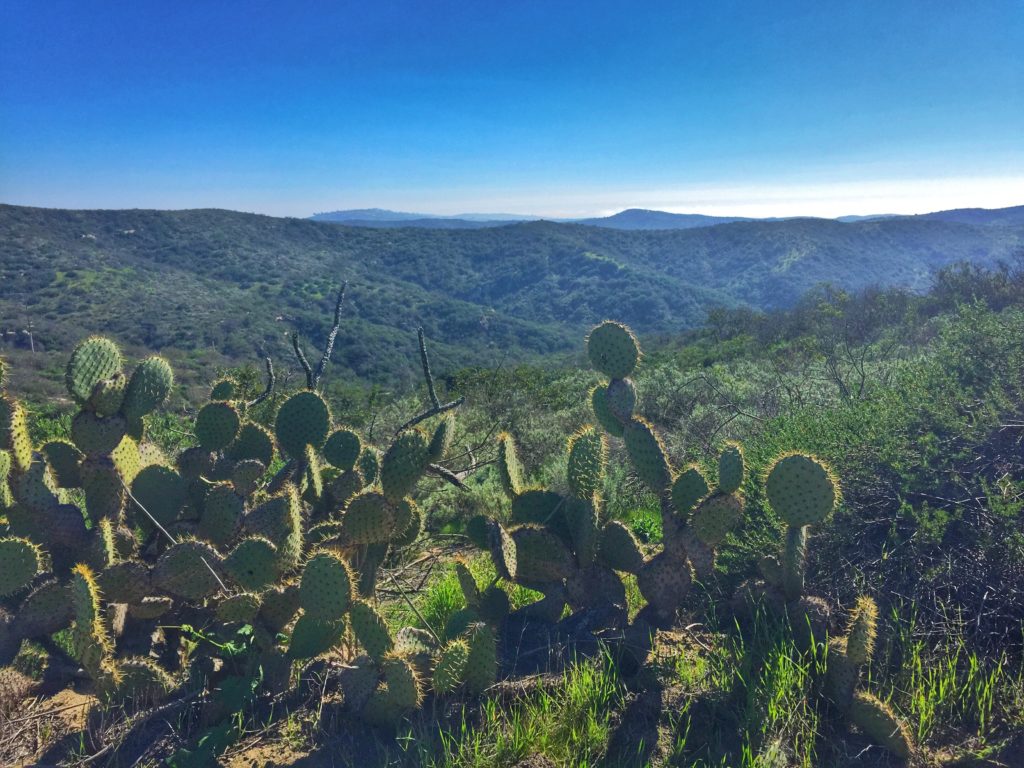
108 395
14 437
510 470
370 629
665 581
688 488
90 639
312 636
801 489
404 464
96 436
162 493
342 449
450 670
444 434
619 549
303 420
541 557
647 455
188 570
20 561
863 629
94 360
325 591
613 349
730 468
588 454
369 519
715 517
217 425
253 442
482 665
223 390
880 723
620 396
602 411
253 563
148 387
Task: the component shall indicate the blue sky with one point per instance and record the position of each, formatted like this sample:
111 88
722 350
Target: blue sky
551 108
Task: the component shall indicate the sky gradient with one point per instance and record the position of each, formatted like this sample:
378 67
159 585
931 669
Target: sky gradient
549 108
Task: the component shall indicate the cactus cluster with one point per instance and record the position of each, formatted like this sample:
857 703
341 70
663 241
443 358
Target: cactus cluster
802 491
848 657
562 545
210 542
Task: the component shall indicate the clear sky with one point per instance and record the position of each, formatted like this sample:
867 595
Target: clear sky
290 107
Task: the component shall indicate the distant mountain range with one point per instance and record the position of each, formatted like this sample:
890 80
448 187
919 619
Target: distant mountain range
211 287
632 218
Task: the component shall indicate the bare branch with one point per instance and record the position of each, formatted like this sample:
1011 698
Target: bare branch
437 409
329 346
271 380
302 359
446 474
426 370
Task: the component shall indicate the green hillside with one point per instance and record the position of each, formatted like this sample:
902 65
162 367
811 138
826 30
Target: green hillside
214 287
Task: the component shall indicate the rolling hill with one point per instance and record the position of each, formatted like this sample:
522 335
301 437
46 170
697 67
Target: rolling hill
212 287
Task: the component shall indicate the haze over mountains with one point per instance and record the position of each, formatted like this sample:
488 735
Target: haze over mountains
631 218
214 286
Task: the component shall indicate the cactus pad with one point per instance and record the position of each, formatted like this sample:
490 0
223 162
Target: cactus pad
588 453
125 582
188 570
63 459
801 489
581 517
95 436
20 561
603 413
223 390
863 629
312 637
404 463
370 629
342 449
730 468
358 681
303 419
222 515
715 517
647 454
246 476
880 723
619 549
148 387
509 469
94 360
104 489
481 668
620 397
253 564
279 606
162 492
613 350
217 424
794 557
541 556
441 441
369 519
279 519
664 581
108 395
689 488
14 436
326 588
252 442
450 670
369 464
